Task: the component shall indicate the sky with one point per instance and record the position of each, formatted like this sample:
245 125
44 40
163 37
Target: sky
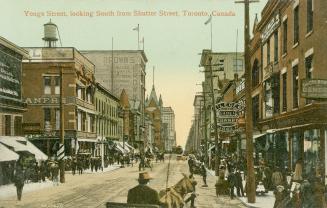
171 43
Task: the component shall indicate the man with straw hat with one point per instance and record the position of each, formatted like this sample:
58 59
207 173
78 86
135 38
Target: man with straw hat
142 193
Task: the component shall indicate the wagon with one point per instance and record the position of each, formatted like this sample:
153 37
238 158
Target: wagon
125 205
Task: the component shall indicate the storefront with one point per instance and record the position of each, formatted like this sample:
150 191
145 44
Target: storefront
299 135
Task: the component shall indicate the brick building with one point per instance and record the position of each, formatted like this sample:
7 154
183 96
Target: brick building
11 103
286 53
41 92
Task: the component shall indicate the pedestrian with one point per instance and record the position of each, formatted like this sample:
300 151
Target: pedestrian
297 177
190 164
19 179
239 184
42 171
204 175
280 197
142 163
277 178
231 181
142 193
55 173
73 166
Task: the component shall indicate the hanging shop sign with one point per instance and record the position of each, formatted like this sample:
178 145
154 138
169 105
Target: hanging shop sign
314 88
227 116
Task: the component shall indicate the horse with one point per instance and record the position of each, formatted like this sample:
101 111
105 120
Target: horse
173 197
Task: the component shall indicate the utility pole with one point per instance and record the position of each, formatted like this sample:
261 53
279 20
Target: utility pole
205 126
217 147
248 105
61 151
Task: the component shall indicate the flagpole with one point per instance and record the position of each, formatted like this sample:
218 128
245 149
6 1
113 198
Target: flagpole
138 37
211 34
143 43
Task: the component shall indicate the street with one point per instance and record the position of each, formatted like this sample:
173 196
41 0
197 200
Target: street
94 190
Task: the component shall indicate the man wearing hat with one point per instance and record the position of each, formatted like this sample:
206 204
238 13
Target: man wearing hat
143 194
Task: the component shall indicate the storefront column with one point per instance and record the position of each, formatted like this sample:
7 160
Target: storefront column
290 147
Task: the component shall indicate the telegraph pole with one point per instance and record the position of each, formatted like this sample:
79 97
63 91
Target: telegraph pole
248 105
217 148
61 151
205 126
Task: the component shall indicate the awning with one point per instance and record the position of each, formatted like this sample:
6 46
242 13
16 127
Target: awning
286 128
6 154
258 135
86 140
22 144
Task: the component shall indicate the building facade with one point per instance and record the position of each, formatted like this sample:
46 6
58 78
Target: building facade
11 103
168 117
120 70
287 57
109 122
41 92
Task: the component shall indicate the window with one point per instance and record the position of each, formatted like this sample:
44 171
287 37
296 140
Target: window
237 65
309 16
57 119
255 74
47 115
284 82
268 52
276 92
268 101
276 46
84 121
79 120
285 36
311 147
47 85
295 87
221 64
57 85
296 26
308 72
255 109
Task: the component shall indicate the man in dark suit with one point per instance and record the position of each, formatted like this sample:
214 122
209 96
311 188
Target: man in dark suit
143 194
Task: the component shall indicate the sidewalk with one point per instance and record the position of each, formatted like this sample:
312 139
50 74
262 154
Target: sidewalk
262 201
10 189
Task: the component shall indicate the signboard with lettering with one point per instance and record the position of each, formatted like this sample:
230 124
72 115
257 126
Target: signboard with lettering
270 28
227 116
314 88
10 76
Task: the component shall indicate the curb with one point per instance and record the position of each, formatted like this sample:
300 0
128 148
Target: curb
246 204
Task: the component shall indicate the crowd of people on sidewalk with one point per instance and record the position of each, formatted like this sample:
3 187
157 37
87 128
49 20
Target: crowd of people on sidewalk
291 189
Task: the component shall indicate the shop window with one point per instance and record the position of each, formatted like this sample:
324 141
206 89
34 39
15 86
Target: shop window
285 36
296 27
295 87
296 148
276 46
281 149
309 16
284 82
308 72
18 126
311 152
57 85
7 125
47 85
